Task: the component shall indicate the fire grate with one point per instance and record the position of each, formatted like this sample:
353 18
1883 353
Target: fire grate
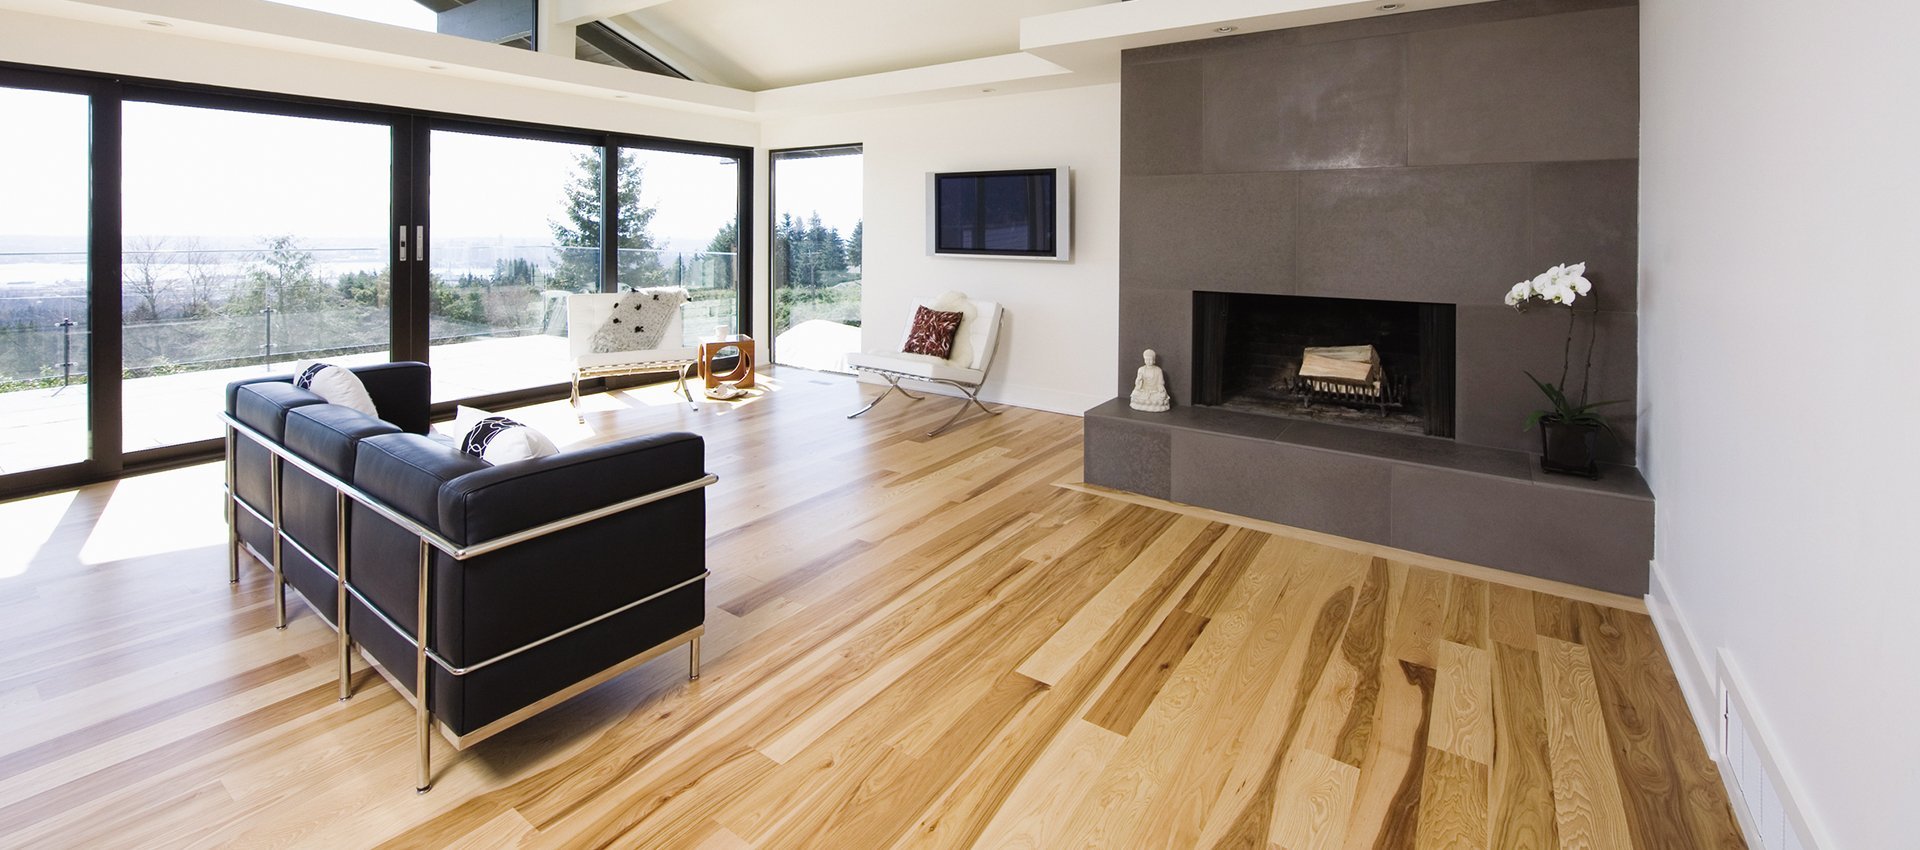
1388 393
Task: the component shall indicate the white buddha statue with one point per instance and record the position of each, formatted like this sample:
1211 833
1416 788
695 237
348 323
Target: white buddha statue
1150 387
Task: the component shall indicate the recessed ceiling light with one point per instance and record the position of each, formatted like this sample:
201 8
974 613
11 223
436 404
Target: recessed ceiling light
988 91
1389 7
160 24
619 97
436 67
1225 29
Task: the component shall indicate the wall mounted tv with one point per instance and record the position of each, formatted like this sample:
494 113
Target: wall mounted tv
1017 214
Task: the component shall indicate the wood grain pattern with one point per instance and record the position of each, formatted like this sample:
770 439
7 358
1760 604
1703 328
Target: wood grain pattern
1588 809
1140 681
1463 703
912 642
1453 803
1521 784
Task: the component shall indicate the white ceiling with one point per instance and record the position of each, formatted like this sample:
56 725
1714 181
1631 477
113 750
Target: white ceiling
764 44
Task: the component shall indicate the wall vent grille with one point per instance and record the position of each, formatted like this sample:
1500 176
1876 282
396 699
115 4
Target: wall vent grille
1746 760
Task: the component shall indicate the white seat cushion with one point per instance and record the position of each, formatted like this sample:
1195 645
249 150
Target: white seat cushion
917 365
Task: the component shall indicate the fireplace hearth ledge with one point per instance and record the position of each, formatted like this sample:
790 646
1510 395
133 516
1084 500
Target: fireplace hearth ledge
1485 506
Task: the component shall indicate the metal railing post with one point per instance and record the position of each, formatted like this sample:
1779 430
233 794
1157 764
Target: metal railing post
66 352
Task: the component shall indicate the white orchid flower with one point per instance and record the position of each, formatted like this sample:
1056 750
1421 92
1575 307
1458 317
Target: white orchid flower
1519 293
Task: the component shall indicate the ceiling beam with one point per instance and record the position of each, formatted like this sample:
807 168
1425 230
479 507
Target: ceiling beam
569 13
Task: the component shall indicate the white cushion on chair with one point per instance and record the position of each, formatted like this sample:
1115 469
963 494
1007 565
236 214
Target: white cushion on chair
586 312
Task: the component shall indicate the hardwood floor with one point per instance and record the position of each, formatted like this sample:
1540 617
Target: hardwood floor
911 642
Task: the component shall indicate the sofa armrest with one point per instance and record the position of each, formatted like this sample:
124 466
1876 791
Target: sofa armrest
407 472
402 392
516 496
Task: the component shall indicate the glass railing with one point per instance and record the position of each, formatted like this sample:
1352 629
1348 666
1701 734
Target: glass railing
710 278
191 310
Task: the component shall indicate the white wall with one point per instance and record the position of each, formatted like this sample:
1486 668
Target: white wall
1780 166
1058 346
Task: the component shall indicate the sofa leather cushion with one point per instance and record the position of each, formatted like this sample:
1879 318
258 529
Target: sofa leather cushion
407 471
264 406
932 332
335 384
401 392
330 434
500 500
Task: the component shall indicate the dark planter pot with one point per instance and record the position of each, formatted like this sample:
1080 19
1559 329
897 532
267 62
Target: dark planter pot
1569 449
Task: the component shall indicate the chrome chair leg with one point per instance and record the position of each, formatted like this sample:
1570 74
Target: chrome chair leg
340 599
423 719
279 566
233 510
973 396
892 385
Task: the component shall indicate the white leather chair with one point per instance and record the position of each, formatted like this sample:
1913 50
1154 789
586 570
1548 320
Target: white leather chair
964 369
586 312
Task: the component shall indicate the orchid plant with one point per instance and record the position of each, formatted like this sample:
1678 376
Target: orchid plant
1562 284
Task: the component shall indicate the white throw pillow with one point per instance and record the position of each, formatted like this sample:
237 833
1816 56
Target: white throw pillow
335 384
497 440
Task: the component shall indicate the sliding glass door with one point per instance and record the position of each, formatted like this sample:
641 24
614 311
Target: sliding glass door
251 241
44 412
818 231
159 241
679 226
516 228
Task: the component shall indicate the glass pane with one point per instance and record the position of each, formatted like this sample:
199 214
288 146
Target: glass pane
816 264
516 227
43 281
250 242
680 227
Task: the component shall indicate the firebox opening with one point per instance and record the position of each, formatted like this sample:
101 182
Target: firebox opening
1384 365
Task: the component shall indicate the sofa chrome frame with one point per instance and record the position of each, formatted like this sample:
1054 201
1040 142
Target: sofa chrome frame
970 390
430 540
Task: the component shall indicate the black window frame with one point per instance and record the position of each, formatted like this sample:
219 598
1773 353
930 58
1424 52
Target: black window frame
409 336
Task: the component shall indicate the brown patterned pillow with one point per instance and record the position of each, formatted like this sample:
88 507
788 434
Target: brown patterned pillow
932 333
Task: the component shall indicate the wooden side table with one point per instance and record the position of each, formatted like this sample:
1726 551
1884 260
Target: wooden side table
742 372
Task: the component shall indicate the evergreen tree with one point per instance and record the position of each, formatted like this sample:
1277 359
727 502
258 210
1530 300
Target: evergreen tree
726 240
853 244
579 271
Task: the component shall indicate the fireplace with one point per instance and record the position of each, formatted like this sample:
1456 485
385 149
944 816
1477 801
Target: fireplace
1392 361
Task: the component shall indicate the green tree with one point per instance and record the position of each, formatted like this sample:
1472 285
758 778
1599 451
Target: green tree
369 288
638 263
853 244
726 240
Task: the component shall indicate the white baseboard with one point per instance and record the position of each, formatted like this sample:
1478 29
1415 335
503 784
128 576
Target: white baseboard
1712 686
1692 666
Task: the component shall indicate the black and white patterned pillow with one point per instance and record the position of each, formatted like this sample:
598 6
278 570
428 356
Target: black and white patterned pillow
335 384
497 439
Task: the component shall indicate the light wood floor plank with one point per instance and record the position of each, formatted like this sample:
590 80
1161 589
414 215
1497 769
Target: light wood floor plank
1588 808
912 642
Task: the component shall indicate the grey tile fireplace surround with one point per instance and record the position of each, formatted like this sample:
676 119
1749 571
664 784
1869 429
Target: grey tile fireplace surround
1484 506
1434 157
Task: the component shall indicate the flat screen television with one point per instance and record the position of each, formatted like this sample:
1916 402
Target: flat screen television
1020 214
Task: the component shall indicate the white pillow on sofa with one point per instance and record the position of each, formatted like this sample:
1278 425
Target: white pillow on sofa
497 440
335 384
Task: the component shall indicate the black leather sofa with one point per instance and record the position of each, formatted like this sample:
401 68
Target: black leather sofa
544 576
